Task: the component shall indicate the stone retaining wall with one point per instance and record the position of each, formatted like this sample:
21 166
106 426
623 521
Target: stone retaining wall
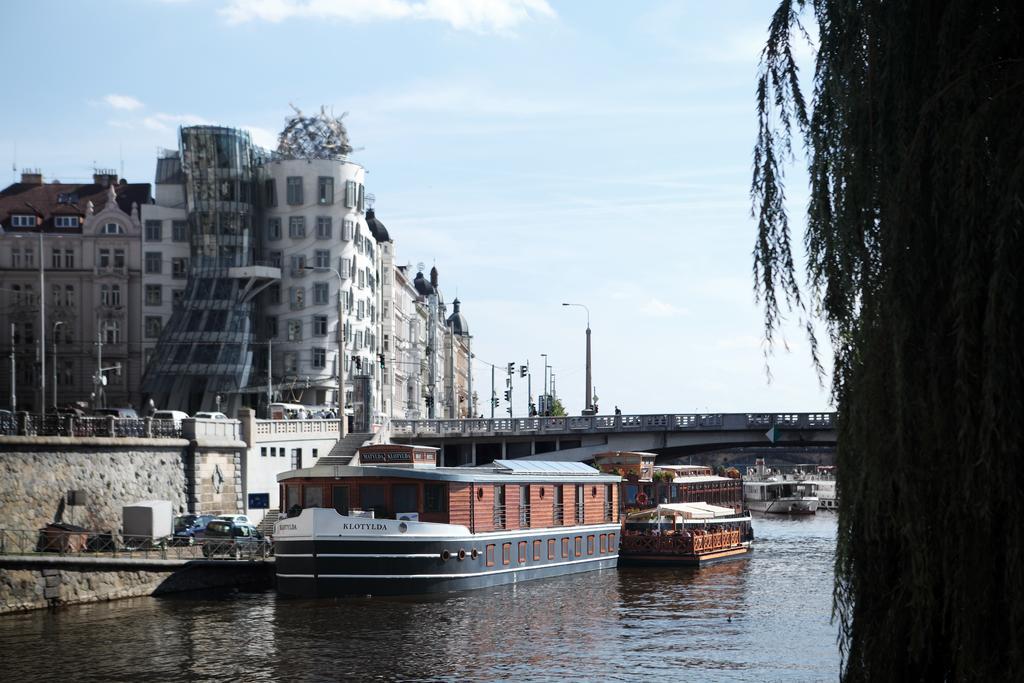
26 586
36 479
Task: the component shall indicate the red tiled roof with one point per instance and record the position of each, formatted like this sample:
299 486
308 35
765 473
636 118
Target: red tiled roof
28 198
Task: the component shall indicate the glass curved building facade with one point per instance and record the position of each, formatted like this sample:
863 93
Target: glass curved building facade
206 349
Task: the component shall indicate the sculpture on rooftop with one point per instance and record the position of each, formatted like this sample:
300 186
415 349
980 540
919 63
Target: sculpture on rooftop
322 136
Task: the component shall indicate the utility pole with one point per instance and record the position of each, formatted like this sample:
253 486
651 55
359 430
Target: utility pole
42 326
14 393
493 397
508 382
529 389
55 326
99 402
270 376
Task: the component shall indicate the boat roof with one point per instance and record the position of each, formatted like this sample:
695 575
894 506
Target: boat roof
699 510
700 479
499 472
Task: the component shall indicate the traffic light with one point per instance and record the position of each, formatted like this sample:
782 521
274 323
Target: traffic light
494 401
380 357
430 401
508 395
359 363
522 370
511 368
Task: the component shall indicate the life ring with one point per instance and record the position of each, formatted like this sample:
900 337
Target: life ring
445 555
641 498
461 555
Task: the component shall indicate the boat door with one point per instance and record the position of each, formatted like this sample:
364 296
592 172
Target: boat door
339 496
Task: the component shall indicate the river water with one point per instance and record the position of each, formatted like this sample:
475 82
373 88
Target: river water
764 618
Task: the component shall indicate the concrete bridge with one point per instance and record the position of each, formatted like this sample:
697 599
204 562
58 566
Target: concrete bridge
476 441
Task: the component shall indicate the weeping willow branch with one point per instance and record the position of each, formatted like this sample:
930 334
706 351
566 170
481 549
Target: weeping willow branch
914 236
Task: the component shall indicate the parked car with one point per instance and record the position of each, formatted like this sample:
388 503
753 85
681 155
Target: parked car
224 537
190 528
210 415
176 415
237 519
117 412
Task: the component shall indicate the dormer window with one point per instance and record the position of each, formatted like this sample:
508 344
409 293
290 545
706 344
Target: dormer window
65 221
112 229
23 221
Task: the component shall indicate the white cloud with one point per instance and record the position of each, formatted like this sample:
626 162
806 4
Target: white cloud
483 16
161 121
125 102
656 308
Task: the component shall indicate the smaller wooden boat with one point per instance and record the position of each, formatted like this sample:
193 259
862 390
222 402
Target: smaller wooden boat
690 534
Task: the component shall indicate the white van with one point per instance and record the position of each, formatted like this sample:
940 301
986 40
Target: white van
175 415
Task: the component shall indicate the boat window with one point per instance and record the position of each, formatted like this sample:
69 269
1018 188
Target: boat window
405 498
371 497
489 555
314 496
630 491
579 546
551 548
292 496
522 552
506 553
565 547
339 496
590 544
611 543
434 497
604 543
536 551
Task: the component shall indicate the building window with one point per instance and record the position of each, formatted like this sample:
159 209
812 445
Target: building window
325 190
111 331
294 185
154 324
273 228
350 194
319 358
322 258
263 451
297 297
270 192
69 258
179 231
298 264
320 325
348 227
154 295
110 295
153 261
274 294
291 362
154 231
23 221
271 326
177 298
323 227
294 330
66 222
55 258
297 227
320 293
179 268
119 261
112 229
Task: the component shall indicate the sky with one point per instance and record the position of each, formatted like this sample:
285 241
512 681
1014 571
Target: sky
534 151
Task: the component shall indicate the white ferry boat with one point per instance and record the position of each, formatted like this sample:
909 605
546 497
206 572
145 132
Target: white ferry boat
391 522
769 492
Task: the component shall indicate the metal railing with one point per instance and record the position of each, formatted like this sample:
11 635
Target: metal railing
97 544
30 424
666 422
499 518
558 514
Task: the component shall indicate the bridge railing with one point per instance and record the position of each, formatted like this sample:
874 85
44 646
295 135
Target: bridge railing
591 424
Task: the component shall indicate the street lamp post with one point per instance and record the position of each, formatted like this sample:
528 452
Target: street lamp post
55 326
589 392
342 418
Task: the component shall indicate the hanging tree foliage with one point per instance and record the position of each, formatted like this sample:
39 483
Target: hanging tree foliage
914 237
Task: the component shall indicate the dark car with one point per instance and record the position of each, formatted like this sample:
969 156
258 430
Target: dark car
190 528
224 537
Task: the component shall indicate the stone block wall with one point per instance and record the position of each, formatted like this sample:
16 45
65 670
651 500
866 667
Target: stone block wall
36 478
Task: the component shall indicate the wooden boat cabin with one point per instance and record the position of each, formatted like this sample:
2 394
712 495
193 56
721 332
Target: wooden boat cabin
393 522
646 485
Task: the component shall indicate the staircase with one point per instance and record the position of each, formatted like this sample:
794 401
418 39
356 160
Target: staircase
343 450
266 526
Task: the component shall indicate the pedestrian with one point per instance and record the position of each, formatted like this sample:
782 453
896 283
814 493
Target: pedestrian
618 411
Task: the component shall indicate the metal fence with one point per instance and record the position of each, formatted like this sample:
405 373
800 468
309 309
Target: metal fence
29 424
63 543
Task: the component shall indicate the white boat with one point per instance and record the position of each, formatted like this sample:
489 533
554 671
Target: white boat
787 494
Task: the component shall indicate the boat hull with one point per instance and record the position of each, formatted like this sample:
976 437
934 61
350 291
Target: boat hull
785 506
332 566
684 560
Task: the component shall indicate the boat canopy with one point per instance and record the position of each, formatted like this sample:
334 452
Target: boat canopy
694 510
